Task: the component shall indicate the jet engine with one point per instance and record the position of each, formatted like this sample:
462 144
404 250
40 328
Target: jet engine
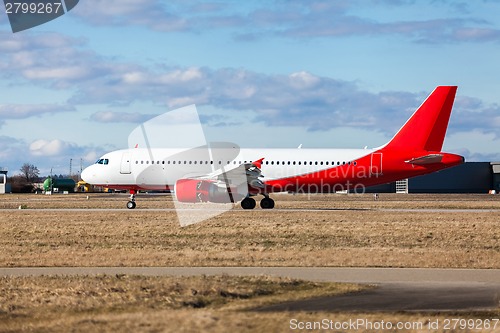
205 190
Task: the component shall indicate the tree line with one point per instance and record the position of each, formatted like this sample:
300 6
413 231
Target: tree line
28 176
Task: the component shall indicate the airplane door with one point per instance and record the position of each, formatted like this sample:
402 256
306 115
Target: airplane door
125 163
376 164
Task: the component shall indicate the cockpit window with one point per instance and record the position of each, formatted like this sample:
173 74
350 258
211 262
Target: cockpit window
104 161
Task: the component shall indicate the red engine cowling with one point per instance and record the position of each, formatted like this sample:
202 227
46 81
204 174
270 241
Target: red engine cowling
196 190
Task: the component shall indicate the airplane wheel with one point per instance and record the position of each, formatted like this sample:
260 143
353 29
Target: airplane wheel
267 203
248 203
131 205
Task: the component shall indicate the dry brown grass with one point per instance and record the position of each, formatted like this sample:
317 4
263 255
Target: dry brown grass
352 235
64 303
285 201
344 231
166 304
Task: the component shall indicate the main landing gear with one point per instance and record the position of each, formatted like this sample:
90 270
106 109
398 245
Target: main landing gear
249 203
131 203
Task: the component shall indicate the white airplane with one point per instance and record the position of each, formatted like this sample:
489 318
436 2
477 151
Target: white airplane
222 174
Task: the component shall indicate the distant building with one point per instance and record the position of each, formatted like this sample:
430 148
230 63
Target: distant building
495 167
3 181
470 177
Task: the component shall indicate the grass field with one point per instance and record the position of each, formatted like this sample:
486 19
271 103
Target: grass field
192 304
335 230
327 230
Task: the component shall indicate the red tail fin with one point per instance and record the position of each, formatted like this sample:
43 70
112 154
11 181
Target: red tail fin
426 128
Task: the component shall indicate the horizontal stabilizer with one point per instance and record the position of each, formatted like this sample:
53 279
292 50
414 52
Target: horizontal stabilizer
427 159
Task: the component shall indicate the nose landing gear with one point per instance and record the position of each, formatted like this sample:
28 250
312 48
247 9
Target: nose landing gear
131 203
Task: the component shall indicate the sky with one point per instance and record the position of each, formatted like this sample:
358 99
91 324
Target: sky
339 74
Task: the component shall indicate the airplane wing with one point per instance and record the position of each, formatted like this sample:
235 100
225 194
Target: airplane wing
251 171
427 159
228 184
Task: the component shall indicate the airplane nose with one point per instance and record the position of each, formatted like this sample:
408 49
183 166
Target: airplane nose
87 175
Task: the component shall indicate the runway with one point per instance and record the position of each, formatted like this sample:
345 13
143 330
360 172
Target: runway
320 274
269 211
396 289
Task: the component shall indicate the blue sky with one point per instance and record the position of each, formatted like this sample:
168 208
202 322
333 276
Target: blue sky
278 73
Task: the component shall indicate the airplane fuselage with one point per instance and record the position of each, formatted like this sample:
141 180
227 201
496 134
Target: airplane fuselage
291 170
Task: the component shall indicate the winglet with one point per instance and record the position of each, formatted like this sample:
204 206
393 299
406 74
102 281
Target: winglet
426 128
258 163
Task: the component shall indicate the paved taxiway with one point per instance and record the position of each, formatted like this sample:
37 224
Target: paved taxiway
327 274
397 289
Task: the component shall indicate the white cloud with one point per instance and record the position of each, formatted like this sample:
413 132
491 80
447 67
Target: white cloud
22 111
43 147
120 117
153 14
50 59
47 155
56 73
289 19
296 99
